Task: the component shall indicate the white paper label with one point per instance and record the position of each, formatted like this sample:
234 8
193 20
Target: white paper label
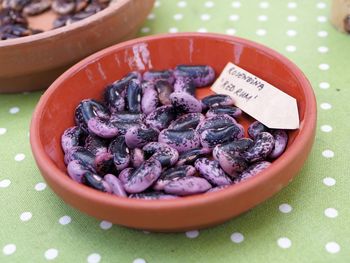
259 99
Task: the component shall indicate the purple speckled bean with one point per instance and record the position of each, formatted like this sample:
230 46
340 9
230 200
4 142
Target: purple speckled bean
255 128
80 154
216 100
185 102
184 84
161 117
202 75
104 164
192 155
127 117
143 177
123 127
97 182
252 170
147 85
116 185
217 188
188 185
232 164
149 101
137 157
76 171
162 152
119 87
96 145
102 127
219 121
114 98
187 121
88 109
153 76
181 140
231 111
281 141
133 96
72 137
262 147
152 196
140 136
164 90
121 153
212 137
173 173
125 174
235 148
240 134
211 171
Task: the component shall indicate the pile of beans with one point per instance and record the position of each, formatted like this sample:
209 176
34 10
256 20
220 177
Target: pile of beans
152 138
14 13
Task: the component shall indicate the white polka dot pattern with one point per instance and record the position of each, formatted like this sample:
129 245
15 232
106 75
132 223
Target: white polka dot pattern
331 212
94 258
284 242
51 254
329 181
9 249
26 216
192 234
237 238
65 220
285 208
332 247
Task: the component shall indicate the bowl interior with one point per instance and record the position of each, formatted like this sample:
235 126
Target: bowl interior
90 76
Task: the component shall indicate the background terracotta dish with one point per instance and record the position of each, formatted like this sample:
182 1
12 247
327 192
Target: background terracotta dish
88 78
34 62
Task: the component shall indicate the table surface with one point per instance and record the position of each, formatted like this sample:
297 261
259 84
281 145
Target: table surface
308 221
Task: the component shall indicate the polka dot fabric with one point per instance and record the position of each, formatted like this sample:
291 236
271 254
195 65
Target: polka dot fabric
308 221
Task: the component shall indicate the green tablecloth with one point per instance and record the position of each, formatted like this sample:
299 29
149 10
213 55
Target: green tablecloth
308 221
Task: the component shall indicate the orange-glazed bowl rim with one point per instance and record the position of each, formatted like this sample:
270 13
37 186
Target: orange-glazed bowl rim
52 172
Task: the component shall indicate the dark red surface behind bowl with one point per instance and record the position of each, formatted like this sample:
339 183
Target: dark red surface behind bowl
88 78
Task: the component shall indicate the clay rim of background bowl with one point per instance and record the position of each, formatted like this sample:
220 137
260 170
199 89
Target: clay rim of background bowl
108 11
63 180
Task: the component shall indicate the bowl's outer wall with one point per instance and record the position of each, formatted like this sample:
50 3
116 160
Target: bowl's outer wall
35 63
87 79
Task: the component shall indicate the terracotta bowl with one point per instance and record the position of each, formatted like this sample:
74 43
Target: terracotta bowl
87 79
34 62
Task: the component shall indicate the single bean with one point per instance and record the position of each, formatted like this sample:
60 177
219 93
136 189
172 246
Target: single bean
152 196
121 153
181 140
187 121
188 185
71 137
116 185
167 75
217 100
211 171
173 173
262 147
252 170
202 75
97 182
161 117
143 177
184 102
